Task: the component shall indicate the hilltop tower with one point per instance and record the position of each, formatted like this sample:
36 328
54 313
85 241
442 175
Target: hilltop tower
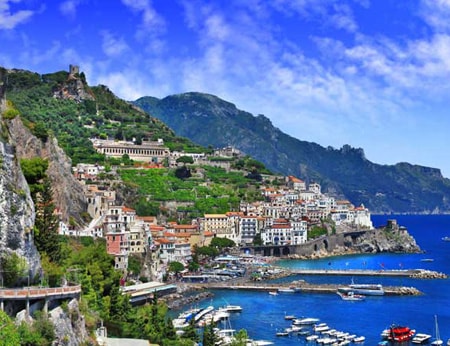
74 69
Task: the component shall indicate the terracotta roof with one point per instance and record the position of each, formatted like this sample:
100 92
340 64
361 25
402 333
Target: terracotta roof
208 234
185 227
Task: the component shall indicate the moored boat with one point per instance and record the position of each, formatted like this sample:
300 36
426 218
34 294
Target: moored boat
231 308
446 238
398 333
367 289
305 321
350 295
421 338
437 341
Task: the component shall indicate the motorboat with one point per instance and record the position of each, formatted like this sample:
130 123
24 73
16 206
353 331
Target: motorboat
312 337
305 321
258 342
367 289
446 238
289 317
286 290
282 333
427 260
421 338
359 339
321 327
273 293
396 333
231 308
350 295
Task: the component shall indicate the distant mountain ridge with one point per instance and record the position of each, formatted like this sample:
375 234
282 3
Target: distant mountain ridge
346 173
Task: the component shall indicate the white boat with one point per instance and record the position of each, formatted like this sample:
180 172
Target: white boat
202 313
286 290
359 339
273 293
312 337
421 338
322 327
367 289
289 317
231 308
282 333
437 341
350 295
446 238
258 342
305 321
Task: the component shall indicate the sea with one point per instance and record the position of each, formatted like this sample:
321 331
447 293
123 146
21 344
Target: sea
263 315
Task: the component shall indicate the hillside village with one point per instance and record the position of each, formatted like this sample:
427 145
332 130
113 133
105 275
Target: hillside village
284 217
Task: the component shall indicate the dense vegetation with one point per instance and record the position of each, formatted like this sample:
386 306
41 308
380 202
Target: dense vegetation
73 123
208 190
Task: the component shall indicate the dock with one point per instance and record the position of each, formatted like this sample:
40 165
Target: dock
305 287
301 287
414 273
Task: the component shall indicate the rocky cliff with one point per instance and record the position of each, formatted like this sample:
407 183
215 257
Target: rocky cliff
16 208
69 325
68 192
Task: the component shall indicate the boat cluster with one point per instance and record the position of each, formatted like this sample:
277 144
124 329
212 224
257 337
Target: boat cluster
204 316
319 333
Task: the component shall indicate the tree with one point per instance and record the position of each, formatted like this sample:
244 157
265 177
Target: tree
13 268
34 171
222 243
8 331
206 251
185 159
46 224
240 338
209 337
176 267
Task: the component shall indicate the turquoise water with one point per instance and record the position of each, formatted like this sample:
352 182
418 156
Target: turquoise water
263 314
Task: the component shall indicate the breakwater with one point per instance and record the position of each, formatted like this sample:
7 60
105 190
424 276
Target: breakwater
413 273
301 287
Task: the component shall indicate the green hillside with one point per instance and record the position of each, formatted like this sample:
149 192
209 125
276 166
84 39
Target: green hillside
73 122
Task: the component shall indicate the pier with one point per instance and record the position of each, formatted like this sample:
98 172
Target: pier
304 287
414 273
301 287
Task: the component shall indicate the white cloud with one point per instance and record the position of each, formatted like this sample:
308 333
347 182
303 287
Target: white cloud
152 22
9 20
436 14
113 46
69 7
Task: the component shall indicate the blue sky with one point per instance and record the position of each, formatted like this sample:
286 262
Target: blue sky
374 74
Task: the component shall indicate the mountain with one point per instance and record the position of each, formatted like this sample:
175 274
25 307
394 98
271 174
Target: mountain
346 173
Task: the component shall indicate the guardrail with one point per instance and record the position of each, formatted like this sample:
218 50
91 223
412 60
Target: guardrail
38 292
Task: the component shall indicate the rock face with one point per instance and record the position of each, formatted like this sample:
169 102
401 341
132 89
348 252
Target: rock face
68 192
16 210
70 328
74 88
392 238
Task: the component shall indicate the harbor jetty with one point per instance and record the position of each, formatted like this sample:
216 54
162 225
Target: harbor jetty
302 287
413 273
